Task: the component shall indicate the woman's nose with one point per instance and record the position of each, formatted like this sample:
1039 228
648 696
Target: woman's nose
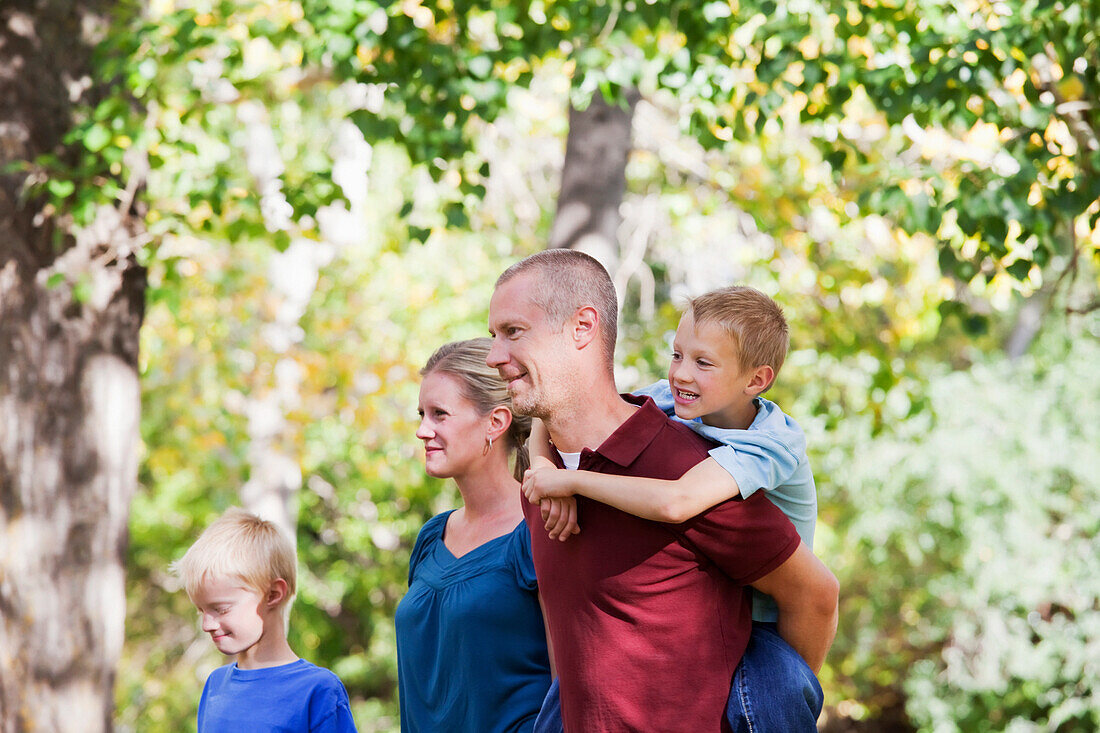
423 431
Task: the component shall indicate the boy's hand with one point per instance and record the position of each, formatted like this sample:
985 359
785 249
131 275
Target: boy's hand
543 480
560 515
546 485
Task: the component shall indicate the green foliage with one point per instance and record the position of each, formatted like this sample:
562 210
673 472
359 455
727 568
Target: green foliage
967 550
798 113
984 109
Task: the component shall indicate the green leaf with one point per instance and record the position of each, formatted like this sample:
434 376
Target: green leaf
480 66
456 216
97 137
61 188
1020 269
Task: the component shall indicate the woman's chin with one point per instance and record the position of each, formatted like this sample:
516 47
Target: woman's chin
437 472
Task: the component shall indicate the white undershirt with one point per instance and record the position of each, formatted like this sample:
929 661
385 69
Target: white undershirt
571 460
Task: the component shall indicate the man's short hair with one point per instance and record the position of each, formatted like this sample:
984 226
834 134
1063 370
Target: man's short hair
754 322
565 280
241 546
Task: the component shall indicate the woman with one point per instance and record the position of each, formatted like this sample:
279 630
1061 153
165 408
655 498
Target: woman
471 645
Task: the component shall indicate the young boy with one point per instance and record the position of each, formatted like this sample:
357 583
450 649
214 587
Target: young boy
240 574
729 346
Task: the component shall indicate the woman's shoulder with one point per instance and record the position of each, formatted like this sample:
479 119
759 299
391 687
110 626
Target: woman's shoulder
433 528
431 532
436 524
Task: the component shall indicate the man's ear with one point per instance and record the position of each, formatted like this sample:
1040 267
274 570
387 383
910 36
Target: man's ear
500 419
762 378
276 593
585 326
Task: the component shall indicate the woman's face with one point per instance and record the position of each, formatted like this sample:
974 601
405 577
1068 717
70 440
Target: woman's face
453 432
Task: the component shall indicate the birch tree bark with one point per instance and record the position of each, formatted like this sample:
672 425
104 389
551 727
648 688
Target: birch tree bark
71 305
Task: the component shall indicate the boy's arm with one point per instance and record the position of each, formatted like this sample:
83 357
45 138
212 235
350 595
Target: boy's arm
767 456
807 595
559 513
538 443
705 485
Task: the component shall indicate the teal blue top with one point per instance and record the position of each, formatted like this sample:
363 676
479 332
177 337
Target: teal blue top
471 645
769 455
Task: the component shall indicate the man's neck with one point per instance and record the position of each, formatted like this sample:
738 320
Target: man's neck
590 422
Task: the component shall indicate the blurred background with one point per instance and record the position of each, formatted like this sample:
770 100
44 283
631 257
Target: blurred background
318 194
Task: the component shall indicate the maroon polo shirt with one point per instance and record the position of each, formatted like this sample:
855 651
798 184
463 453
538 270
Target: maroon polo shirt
648 620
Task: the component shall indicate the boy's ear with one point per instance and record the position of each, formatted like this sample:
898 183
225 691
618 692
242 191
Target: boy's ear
762 378
276 593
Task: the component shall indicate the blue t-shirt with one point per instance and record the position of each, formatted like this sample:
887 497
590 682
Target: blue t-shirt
471 645
299 697
769 455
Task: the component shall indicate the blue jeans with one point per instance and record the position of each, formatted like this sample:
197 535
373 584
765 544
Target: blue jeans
773 687
549 717
773 690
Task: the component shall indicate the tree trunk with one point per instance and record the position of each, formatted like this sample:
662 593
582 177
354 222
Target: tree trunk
69 398
593 180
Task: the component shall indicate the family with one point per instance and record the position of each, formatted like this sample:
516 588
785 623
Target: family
649 586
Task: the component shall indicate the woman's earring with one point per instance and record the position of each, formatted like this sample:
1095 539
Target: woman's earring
489 447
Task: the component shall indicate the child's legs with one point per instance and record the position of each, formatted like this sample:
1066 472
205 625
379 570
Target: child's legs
549 717
774 690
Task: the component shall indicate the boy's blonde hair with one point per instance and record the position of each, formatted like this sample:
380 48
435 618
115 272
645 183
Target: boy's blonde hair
754 322
242 546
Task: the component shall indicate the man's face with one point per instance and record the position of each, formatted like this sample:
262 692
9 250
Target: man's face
528 351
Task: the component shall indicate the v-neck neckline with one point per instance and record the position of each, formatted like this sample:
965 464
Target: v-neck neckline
452 557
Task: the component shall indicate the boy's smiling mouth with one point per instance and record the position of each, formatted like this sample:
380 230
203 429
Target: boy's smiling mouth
683 394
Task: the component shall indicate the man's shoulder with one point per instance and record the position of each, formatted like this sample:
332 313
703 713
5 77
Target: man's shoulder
674 447
691 440
680 436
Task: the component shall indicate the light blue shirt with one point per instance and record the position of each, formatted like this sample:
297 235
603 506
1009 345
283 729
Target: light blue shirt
769 455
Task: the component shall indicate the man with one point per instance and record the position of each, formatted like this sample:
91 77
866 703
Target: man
647 621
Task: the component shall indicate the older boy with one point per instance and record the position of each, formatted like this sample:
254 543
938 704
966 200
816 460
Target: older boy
240 574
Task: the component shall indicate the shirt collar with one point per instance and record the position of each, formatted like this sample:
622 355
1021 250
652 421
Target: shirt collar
631 438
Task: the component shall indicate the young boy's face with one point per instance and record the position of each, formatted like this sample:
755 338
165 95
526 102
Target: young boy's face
705 376
232 614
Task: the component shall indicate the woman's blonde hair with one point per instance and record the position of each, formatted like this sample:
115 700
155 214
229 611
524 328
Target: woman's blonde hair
241 546
483 387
